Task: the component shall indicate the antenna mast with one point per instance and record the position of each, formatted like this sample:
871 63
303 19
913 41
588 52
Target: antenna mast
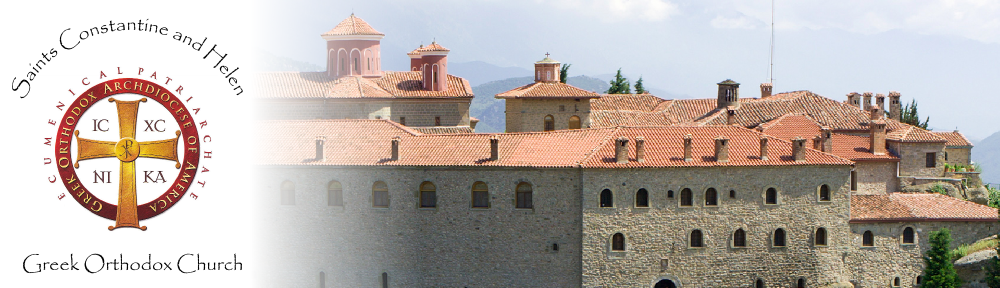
770 60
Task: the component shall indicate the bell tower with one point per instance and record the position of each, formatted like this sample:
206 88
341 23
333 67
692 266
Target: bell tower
547 70
729 94
353 49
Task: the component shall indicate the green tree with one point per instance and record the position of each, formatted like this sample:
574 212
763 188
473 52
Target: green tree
993 268
619 85
638 87
563 71
940 270
909 115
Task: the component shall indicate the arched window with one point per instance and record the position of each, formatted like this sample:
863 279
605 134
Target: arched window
824 193
574 122
771 196
920 279
759 284
428 195
550 123
732 194
779 237
686 197
480 195
740 238
524 196
548 75
434 76
711 197
607 198
696 239
908 236
385 280
618 242
642 198
821 236
896 282
801 283
538 75
334 194
868 239
357 68
287 193
322 280
380 195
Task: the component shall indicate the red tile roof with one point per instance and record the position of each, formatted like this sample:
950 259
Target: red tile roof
367 143
433 47
829 113
910 133
547 90
627 102
404 84
444 130
790 126
856 148
955 139
614 118
917 207
352 26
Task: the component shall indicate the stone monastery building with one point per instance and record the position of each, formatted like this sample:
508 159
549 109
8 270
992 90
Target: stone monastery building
378 180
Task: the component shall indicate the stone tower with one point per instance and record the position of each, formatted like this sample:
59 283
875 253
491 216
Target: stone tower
432 61
547 70
895 107
353 49
854 99
729 94
765 90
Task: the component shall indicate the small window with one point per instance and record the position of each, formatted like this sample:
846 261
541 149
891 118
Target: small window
402 120
821 237
642 198
385 280
287 193
335 194
480 195
562 108
607 198
428 195
342 60
759 284
670 193
711 197
920 279
908 237
524 196
686 197
945 156
801 283
437 120
618 242
779 237
868 239
824 193
854 180
574 122
696 239
550 123
380 195
732 194
740 238
931 160
322 280
771 196
356 66
896 282
555 246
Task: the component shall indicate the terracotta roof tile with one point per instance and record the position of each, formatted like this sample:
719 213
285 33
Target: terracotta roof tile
404 84
909 133
614 118
955 139
433 47
790 126
547 90
352 26
293 142
628 102
915 207
444 130
856 148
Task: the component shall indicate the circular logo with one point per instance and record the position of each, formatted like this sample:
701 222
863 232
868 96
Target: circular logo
139 146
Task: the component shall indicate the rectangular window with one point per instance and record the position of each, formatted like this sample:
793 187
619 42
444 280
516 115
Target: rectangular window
854 181
524 200
931 160
428 199
437 121
402 120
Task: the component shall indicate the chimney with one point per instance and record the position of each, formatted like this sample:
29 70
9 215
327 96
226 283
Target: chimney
494 148
894 106
320 140
827 140
640 149
731 116
854 99
877 137
721 149
763 147
818 142
729 94
621 150
765 90
395 148
880 101
876 113
868 101
687 148
547 70
799 149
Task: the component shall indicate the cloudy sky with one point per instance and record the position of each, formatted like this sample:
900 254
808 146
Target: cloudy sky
944 54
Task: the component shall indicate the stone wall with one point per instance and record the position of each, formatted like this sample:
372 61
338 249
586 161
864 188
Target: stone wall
662 231
959 156
876 177
877 266
912 158
528 115
452 245
418 113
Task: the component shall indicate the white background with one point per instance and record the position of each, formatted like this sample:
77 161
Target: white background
216 225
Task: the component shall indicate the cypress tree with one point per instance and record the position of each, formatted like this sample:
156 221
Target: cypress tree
563 71
909 115
619 85
638 87
940 270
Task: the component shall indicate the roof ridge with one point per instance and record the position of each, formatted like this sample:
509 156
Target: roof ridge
593 150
